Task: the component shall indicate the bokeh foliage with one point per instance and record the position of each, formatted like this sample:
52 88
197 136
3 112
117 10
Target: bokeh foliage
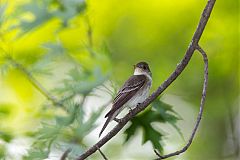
73 47
33 47
44 28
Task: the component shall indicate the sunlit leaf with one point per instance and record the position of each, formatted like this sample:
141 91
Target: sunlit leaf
39 11
54 49
44 64
3 7
4 68
43 11
69 9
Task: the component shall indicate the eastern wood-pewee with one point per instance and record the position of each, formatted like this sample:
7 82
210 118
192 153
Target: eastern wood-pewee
134 91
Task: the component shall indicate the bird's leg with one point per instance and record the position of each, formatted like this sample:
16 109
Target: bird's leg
130 110
117 120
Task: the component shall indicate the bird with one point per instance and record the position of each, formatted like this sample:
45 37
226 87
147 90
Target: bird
133 92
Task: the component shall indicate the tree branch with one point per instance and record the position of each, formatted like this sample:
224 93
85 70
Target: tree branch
180 67
89 32
34 82
102 154
89 46
65 154
203 98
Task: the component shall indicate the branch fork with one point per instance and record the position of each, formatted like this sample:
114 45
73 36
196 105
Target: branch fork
180 67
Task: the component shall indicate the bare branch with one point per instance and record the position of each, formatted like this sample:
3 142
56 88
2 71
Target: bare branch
203 98
65 154
180 67
102 154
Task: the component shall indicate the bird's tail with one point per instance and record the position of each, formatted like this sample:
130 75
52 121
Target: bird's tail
105 125
110 117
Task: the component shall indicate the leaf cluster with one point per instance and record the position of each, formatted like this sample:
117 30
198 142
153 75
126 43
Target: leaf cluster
68 125
159 113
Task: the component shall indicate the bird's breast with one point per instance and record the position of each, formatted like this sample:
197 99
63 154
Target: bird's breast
140 96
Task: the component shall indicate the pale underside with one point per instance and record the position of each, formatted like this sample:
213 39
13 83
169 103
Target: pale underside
139 97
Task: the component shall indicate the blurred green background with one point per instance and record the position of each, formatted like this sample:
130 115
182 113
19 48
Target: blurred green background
71 47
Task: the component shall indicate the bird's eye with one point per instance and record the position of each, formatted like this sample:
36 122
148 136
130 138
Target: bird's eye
144 67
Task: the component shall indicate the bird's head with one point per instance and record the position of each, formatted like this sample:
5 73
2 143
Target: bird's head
142 68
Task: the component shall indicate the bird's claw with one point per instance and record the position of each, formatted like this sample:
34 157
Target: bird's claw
117 120
130 111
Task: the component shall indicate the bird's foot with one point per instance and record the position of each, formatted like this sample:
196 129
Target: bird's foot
117 120
130 111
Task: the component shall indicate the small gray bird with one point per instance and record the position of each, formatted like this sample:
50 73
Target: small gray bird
134 91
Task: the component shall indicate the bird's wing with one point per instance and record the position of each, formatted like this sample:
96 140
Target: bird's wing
128 90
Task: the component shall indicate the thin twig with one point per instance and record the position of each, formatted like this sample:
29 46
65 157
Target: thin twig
34 82
89 37
180 67
203 98
65 154
89 32
102 154
156 152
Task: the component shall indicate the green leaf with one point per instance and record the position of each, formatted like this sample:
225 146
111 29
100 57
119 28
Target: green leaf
39 11
44 63
64 120
131 130
150 134
55 49
7 137
69 9
73 111
4 68
2 151
76 150
162 108
168 114
82 81
48 131
6 110
160 112
43 11
86 127
36 154
144 121
80 115
3 7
